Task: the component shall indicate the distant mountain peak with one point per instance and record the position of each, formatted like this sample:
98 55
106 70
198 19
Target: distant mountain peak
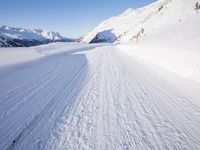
12 36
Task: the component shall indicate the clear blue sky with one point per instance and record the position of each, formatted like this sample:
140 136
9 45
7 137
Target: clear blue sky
71 18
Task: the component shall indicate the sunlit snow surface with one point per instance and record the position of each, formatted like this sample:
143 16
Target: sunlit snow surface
143 94
162 21
79 96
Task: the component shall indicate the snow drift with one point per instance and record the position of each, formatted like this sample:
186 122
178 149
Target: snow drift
183 62
15 55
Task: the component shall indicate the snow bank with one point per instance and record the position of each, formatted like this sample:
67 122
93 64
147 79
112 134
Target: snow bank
9 56
174 47
183 62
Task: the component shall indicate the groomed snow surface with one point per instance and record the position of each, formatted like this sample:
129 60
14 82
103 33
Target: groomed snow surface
98 96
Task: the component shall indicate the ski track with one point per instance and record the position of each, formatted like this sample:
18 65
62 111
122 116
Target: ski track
93 99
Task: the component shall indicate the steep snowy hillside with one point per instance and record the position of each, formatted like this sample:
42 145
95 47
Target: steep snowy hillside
157 18
17 37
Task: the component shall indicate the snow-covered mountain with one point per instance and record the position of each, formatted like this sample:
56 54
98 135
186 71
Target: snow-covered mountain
17 37
160 20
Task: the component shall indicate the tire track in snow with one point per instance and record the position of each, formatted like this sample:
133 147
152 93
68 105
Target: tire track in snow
108 102
64 100
128 115
46 71
153 92
46 92
14 101
85 106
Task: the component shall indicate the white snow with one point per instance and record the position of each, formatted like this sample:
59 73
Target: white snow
104 37
96 97
165 33
161 15
9 56
142 94
183 62
174 47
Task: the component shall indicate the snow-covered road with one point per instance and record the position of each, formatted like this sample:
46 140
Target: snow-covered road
94 98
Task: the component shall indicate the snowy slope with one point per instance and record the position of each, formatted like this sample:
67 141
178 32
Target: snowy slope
105 96
95 97
10 36
146 21
184 62
165 33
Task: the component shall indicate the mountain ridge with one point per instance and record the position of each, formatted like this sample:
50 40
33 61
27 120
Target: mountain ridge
134 24
21 37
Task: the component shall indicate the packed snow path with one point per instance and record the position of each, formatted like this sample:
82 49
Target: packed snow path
93 98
